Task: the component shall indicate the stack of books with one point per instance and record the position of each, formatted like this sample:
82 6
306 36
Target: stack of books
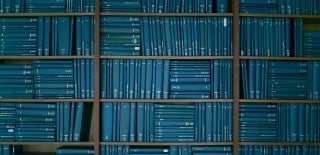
311 47
54 79
174 123
32 6
8 121
120 6
120 36
189 81
258 122
287 80
35 122
74 150
16 81
18 36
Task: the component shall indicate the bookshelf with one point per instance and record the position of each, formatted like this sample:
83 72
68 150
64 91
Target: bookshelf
236 99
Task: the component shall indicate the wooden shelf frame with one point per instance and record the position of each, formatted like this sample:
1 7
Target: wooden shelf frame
96 101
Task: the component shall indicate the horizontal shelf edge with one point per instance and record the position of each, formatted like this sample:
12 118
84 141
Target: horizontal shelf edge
165 14
277 58
46 14
169 57
165 143
49 143
280 143
260 101
43 57
167 100
45 100
278 15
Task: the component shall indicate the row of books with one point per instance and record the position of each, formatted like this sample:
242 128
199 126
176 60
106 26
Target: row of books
44 121
280 37
57 36
262 79
287 122
166 36
299 122
310 7
9 149
275 36
311 41
75 150
73 121
160 122
278 150
39 6
163 79
166 6
165 150
48 79
65 36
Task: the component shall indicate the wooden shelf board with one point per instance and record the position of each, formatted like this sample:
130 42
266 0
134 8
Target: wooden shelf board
281 143
45 100
165 143
169 57
49 143
278 15
46 14
141 14
262 101
167 100
43 57
279 58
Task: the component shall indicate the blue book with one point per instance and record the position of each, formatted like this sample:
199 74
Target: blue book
149 73
66 121
106 125
82 115
124 127
74 150
140 121
123 83
133 120
131 72
78 36
116 76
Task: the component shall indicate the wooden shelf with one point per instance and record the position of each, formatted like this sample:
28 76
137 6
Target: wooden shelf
43 57
170 57
97 57
262 101
282 143
278 15
49 143
46 14
141 14
45 100
278 58
167 100
166 143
